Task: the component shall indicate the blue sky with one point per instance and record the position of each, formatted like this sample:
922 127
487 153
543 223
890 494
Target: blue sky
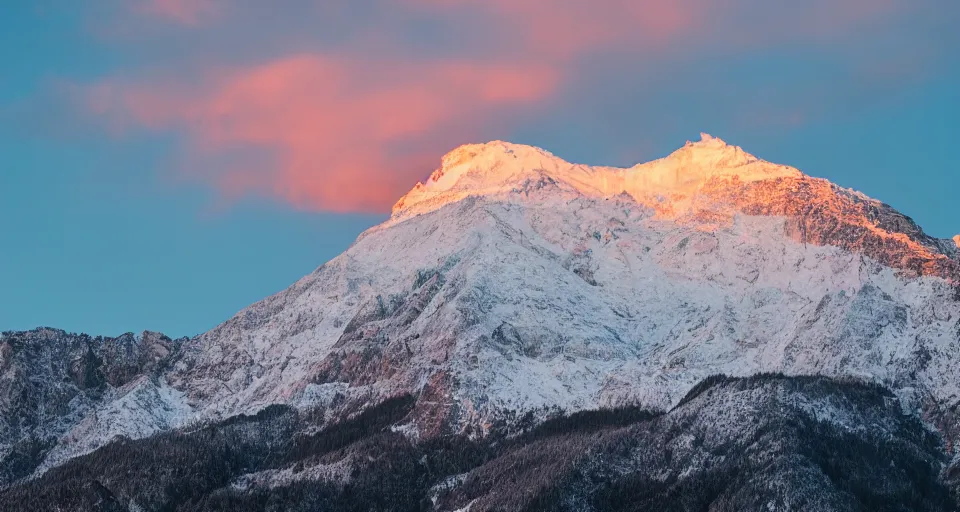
168 162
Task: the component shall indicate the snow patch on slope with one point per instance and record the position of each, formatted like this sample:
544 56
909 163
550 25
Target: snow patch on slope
141 409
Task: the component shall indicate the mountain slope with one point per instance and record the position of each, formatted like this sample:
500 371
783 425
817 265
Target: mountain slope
513 285
63 394
541 293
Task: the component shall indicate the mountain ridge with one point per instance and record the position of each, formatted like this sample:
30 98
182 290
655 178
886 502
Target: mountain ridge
703 183
495 167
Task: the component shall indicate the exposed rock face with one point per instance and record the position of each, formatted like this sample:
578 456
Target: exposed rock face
821 213
513 286
53 385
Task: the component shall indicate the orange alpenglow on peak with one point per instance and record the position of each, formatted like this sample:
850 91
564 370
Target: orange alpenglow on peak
956 240
712 151
497 168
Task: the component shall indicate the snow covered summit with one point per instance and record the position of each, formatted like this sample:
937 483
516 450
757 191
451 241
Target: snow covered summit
497 168
704 184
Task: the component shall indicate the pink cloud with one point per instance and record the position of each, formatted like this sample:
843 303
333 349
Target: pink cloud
185 12
337 130
341 135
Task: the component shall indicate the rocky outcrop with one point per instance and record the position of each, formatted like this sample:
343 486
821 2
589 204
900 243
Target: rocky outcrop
822 213
51 381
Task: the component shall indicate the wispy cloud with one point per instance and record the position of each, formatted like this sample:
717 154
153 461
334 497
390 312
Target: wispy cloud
337 134
342 107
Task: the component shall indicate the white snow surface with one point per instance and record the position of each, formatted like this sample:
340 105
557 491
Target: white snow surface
141 408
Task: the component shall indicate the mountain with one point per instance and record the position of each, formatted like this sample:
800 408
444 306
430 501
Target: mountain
514 289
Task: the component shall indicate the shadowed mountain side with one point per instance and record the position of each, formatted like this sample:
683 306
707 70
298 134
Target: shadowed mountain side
761 443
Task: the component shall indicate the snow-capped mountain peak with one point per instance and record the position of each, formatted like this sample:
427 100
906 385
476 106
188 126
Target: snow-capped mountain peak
711 156
696 168
704 184
489 169
497 168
